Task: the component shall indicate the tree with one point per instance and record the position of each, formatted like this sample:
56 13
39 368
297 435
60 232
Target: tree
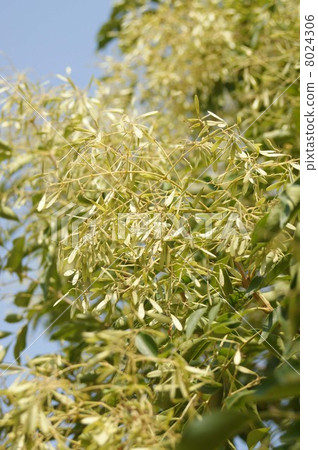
159 244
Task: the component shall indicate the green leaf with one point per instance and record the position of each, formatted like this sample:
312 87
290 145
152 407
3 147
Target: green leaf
278 269
275 391
3 352
193 321
255 284
197 104
4 334
214 312
213 430
176 322
5 151
194 348
256 436
109 29
283 384
146 345
210 388
13 318
16 254
270 323
5 146
227 287
8 213
221 329
290 439
22 299
20 343
239 399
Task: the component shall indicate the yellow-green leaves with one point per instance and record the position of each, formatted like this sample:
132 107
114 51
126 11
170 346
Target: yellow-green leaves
20 342
148 230
213 430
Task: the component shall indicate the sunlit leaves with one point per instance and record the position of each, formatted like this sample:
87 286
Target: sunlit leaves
232 76
158 243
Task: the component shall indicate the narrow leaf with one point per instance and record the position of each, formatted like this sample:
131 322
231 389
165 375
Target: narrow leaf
146 345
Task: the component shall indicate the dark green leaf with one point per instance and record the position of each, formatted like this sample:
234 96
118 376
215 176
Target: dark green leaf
213 430
256 436
5 146
227 288
16 254
20 342
8 213
239 399
193 321
195 348
4 334
283 384
210 388
22 299
255 284
146 345
13 318
214 312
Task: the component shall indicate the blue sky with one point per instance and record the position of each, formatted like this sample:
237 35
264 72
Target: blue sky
47 36
43 38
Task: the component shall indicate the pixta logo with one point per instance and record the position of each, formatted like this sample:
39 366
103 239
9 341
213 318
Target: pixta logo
164 226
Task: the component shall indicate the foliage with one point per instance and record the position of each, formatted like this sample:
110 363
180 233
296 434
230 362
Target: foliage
160 246
238 57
